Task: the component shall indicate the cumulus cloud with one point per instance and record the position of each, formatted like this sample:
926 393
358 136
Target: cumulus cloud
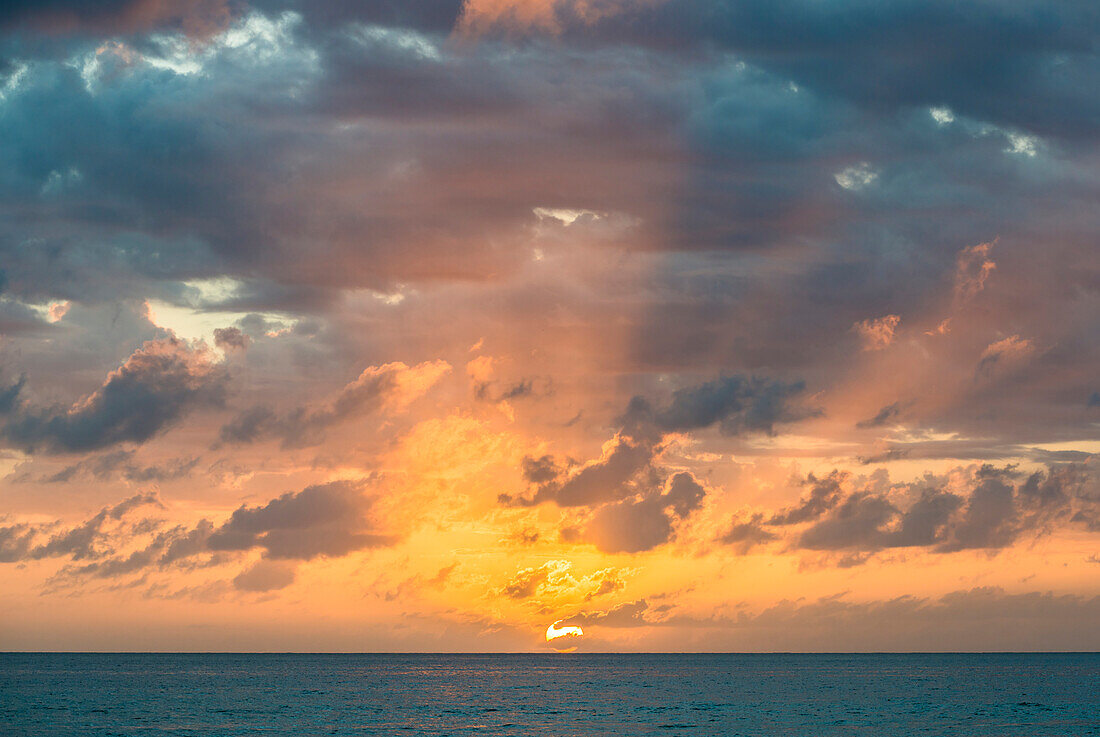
637 502
737 405
391 387
557 577
155 387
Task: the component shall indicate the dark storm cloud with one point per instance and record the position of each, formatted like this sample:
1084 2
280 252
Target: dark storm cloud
998 508
1026 63
156 386
783 161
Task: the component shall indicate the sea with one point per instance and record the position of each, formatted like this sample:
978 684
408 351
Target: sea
224 695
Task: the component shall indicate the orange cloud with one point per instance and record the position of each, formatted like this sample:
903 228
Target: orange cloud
546 16
877 333
972 268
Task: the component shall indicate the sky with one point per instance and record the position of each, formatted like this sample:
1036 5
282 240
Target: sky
662 325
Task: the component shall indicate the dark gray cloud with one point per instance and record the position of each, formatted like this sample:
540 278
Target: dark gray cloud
199 17
121 463
982 58
998 508
282 143
322 520
153 389
825 493
884 416
88 540
306 425
744 536
737 405
634 525
230 338
326 520
15 542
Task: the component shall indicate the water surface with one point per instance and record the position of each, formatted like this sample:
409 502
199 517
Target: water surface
224 695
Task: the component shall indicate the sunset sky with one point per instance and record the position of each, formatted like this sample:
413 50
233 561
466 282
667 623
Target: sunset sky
426 325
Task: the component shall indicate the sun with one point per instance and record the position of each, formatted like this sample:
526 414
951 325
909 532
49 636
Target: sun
563 639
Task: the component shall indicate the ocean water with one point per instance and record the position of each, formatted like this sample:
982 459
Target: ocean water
1030 695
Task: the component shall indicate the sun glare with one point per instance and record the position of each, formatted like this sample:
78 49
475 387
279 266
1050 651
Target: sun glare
554 632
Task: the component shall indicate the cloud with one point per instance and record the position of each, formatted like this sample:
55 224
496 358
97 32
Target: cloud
980 508
391 387
231 338
120 463
526 583
556 577
88 540
637 502
523 17
966 620
825 494
154 388
627 614
744 536
328 520
973 267
323 520
737 404
877 333
884 416
1004 354
265 575
200 18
